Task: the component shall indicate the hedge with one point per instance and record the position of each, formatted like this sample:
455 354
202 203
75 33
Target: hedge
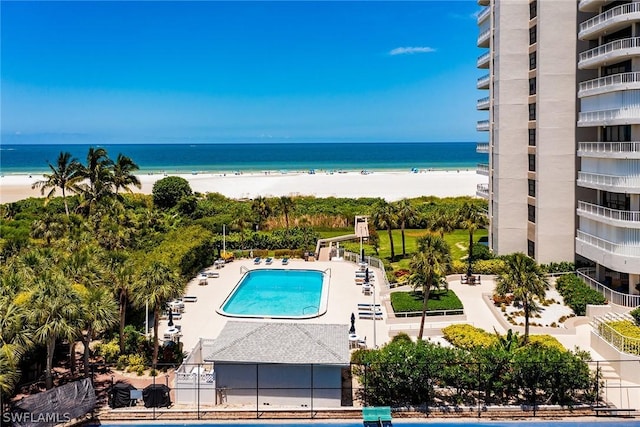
489 266
577 294
404 302
469 337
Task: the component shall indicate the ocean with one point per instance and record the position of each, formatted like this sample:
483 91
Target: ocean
229 158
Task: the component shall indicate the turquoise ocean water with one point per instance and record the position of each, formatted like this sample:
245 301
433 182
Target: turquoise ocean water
188 158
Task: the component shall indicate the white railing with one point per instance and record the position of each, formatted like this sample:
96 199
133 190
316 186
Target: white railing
372 261
482 103
608 15
615 181
482 169
482 190
430 313
483 37
614 297
482 125
604 212
484 14
608 147
483 81
623 343
482 147
601 84
605 245
603 117
607 48
484 58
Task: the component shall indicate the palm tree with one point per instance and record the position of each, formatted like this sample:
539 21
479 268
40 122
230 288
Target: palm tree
523 277
15 341
121 275
99 312
406 213
123 176
158 284
471 217
261 209
385 216
65 175
99 176
48 227
429 267
441 221
286 205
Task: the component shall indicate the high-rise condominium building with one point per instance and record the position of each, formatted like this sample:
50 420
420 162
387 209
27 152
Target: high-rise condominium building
563 81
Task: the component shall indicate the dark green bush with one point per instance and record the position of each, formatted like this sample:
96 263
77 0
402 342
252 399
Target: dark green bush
635 313
403 302
577 294
168 191
559 267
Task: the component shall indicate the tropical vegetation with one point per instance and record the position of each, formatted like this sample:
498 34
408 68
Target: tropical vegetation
577 294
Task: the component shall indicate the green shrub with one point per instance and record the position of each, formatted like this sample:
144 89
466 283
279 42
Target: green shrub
403 302
490 266
635 313
168 191
546 341
458 267
577 294
468 337
110 351
481 252
559 267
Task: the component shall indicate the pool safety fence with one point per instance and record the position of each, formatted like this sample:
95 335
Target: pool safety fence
225 390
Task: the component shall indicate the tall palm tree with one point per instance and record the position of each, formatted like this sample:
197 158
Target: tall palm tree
15 341
123 176
429 267
65 175
286 206
406 213
122 276
523 277
99 177
441 221
48 227
157 285
98 313
471 217
261 209
385 217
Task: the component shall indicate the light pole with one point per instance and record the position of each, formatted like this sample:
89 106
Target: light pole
361 254
374 316
224 244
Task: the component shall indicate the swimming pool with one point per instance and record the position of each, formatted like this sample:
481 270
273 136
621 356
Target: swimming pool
470 422
278 294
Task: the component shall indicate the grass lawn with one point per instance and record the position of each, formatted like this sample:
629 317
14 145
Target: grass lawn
412 301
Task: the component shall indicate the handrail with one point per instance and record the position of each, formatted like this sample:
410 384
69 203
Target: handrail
614 79
483 57
615 214
609 147
614 297
623 343
611 13
483 35
482 187
627 43
608 246
246 270
309 306
621 181
481 80
483 14
329 270
373 261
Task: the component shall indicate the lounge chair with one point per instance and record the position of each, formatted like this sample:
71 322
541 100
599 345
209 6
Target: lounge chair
257 260
285 261
269 261
213 274
189 298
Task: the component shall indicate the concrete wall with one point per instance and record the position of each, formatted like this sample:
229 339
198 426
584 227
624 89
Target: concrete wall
625 365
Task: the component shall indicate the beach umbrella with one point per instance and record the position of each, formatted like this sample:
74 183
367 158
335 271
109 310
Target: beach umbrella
352 329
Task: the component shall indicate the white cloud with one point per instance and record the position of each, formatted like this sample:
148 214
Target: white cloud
411 50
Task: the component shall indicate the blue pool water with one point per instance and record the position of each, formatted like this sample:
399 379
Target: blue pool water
277 293
475 423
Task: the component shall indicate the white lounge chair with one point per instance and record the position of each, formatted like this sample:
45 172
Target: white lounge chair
257 260
269 261
285 261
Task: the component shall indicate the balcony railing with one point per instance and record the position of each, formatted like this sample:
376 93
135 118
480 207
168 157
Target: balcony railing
608 52
625 344
483 38
607 246
617 116
608 213
612 296
599 181
610 83
483 60
483 103
602 21
483 82
482 147
484 14
591 5
483 2
482 169
609 149
482 125
482 190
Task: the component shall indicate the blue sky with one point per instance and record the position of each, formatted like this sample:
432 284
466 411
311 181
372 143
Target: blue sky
210 71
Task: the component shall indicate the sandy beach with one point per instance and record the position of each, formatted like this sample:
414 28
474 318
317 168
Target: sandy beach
388 185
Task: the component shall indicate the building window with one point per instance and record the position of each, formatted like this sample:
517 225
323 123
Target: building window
533 35
617 201
532 187
532 137
532 162
532 61
616 133
532 86
531 210
533 9
619 68
532 111
531 248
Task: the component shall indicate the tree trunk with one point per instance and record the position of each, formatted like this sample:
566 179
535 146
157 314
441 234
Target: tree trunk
404 252
426 291
123 310
286 219
393 254
526 322
72 358
48 374
156 316
86 340
470 257
64 199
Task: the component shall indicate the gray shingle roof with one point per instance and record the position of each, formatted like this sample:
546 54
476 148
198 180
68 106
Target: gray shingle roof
292 343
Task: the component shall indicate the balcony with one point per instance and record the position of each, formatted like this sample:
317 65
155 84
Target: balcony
609 53
483 103
482 169
483 82
609 150
626 300
482 190
614 183
484 14
618 218
617 116
483 38
609 21
484 60
612 83
592 5
483 2
482 125
482 147
622 257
